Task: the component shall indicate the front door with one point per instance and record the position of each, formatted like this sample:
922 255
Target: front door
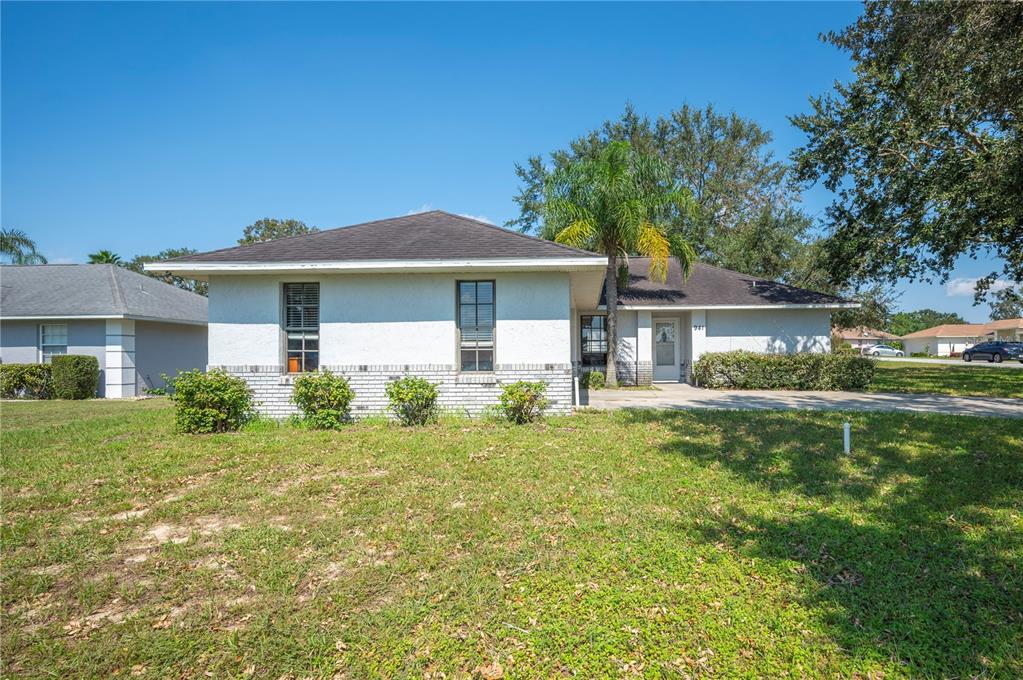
666 350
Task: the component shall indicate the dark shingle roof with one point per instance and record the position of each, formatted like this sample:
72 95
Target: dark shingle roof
60 290
434 235
711 286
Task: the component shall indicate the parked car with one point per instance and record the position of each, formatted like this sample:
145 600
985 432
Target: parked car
997 351
883 351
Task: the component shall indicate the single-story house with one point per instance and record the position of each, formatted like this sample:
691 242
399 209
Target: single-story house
136 326
472 307
862 336
1009 330
944 340
951 339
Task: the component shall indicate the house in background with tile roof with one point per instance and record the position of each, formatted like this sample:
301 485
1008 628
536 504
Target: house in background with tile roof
136 326
951 339
471 306
862 336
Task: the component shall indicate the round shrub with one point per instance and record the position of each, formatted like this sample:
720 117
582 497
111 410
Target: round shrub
210 402
807 371
593 380
413 400
523 402
75 376
324 398
25 381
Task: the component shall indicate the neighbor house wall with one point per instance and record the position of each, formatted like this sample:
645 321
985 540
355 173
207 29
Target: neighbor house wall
167 348
941 347
376 327
773 331
19 342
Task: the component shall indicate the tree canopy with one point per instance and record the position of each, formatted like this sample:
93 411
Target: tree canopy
137 262
904 323
104 257
743 214
269 228
923 148
16 246
1007 304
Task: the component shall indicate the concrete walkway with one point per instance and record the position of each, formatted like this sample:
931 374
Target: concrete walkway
979 363
681 396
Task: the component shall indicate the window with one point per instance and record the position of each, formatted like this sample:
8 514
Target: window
593 346
302 326
476 325
52 340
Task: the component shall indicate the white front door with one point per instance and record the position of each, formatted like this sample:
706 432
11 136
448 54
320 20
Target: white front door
666 350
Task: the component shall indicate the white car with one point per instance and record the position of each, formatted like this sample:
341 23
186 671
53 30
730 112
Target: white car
882 351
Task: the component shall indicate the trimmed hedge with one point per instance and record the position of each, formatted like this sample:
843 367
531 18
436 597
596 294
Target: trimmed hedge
210 402
75 376
592 380
806 371
25 381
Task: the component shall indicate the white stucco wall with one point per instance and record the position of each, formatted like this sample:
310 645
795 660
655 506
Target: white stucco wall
942 347
167 348
390 319
771 331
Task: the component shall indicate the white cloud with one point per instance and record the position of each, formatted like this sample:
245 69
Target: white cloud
964 287
481 218
427 207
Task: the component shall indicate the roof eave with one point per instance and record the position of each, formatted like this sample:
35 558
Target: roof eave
768 305
101 317
201 270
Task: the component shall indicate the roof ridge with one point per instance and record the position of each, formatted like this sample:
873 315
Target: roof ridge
513 233
119 302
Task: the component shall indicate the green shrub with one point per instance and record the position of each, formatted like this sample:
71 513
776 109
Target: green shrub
592 380
75 376
413 400
897 344
324 398
805 371
523 402
920 355
210 402
25 381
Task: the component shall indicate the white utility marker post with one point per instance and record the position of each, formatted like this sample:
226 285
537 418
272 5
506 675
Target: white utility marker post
846 433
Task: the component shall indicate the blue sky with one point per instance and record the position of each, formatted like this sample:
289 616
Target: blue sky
137 127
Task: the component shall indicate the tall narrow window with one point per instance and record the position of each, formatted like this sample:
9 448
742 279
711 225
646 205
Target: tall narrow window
476 325
52 340
302 326
593 343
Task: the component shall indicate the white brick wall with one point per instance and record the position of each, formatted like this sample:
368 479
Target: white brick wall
459 392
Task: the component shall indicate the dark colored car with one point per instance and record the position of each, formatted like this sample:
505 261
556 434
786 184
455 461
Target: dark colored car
995 351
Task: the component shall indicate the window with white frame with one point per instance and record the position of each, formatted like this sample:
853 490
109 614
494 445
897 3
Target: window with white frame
476 325
52 340
302 326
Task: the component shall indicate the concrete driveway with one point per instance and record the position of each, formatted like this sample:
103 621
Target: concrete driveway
979 363
681 396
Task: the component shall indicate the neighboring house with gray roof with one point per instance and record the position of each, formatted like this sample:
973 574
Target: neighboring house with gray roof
136 326
472 307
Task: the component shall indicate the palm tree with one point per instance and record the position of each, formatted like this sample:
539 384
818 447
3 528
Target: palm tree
616 203
16 245
104 257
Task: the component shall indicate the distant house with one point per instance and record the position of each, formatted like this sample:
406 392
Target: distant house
862 336
1006 329
951 339
472 307
136 326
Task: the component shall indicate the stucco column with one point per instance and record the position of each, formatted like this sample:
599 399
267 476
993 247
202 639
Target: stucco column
698 332
120 355
644 347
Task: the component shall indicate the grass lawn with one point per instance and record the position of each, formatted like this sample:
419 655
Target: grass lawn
604 544
955 379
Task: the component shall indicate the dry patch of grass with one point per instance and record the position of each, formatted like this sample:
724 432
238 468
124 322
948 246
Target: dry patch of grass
637 543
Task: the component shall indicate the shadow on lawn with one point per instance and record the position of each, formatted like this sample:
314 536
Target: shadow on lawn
902 544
